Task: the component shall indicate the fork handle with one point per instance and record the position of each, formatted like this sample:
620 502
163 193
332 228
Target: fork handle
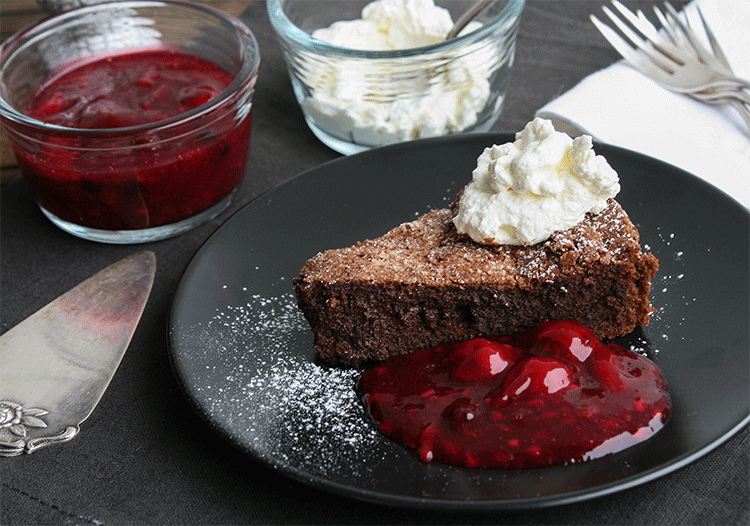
733 94
729 82
744 84
744 110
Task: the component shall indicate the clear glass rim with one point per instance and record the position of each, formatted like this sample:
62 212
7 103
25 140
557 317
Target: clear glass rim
287 30
245 77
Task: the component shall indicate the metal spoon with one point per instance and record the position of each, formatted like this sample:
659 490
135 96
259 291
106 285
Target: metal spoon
476 10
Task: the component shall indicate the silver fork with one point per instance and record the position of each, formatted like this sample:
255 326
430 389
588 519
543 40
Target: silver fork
683 34
673 62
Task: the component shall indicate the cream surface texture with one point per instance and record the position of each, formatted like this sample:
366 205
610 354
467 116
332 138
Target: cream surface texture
387 25
348 101
523 191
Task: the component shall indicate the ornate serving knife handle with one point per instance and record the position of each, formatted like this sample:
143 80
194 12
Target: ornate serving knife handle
56 364
16 422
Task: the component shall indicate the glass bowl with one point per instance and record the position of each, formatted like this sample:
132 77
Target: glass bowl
118 182
59 6
354 100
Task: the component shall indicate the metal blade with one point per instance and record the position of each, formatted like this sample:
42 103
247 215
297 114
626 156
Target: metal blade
56 364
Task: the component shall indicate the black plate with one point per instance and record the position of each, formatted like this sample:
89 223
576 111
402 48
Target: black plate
243 353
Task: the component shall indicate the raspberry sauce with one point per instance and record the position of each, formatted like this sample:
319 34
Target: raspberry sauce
141 179
553 396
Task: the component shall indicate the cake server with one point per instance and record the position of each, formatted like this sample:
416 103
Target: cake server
56 364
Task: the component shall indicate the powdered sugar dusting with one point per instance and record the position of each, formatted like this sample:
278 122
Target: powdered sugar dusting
251 377
671 289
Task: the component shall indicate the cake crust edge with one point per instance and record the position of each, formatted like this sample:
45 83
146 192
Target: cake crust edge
595 273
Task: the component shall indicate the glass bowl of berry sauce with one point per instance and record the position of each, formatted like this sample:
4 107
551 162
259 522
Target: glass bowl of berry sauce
131 120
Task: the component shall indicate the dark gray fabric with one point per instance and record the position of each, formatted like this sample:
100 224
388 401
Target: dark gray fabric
144 457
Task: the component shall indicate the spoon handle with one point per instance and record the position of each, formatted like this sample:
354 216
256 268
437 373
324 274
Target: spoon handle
468 16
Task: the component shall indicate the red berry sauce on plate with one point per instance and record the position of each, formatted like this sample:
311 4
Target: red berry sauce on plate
552 396
162 175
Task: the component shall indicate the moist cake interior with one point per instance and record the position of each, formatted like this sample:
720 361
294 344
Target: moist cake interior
422 284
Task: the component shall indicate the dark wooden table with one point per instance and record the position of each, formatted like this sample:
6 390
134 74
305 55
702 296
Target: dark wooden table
145 457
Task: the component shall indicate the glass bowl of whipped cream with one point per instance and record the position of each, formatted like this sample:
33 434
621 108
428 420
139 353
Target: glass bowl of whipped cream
372 73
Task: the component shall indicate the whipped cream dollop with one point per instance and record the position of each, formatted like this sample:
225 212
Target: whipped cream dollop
346 99
388 25
522 192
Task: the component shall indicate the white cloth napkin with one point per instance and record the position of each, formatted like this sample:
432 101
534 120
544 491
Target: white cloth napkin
619 106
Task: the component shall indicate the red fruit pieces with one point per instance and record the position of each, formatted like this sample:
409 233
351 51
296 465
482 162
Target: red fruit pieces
194 96
566 340
537 375
117 184
460 411
119 90
548 397
532 376
482 359
608 372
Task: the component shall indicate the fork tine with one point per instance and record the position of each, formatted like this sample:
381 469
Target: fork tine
688 75
673 16
675 36
658 58
712 39
642 24
635 58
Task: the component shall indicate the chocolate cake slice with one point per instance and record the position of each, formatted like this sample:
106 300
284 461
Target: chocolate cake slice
422 284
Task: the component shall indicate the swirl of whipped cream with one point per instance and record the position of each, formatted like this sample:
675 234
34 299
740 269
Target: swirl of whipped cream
523 191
